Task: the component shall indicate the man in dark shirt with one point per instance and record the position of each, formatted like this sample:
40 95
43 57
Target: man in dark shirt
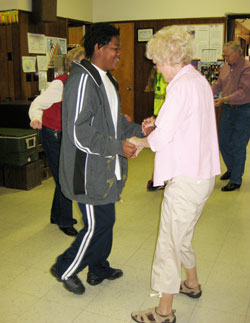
234 129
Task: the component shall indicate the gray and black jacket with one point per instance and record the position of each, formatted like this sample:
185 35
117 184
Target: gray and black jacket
89 146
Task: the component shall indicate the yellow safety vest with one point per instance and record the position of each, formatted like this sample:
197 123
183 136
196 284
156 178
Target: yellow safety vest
160 92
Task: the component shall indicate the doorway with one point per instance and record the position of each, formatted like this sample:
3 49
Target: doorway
124 73
239 30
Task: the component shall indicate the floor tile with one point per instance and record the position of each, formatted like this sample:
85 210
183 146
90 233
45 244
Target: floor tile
115 302
203 314
45 311
14 304
9 272
90 317
30 245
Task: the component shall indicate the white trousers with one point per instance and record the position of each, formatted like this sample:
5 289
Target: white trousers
182 205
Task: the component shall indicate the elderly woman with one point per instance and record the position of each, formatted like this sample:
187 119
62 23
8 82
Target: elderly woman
185 141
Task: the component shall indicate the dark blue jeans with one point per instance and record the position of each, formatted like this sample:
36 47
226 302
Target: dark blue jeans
61 211
93 243
234 134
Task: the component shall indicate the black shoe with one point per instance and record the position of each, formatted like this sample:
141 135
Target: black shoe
72 284
152 188
53 221
69 231
230 187
225 176
93 280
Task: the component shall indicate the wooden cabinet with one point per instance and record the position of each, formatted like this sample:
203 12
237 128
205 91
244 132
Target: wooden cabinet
75 35
8 64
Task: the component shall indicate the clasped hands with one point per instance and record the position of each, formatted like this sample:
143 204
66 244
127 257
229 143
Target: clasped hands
132 146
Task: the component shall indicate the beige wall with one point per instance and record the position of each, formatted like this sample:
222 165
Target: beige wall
16 4
74 9
118 10
112 10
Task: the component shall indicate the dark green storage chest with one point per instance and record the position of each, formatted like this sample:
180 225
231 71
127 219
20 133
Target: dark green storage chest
23 177
18 146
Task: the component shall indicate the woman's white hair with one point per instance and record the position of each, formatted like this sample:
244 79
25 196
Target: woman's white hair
172 45
74 55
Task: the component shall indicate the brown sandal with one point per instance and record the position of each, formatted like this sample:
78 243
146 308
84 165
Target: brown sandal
191 292
151 315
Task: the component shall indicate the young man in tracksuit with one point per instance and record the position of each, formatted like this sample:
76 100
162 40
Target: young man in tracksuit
93 161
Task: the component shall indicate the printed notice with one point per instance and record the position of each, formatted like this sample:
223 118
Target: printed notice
209 55
208 41
29 64
42 63
36 43
42 85
217 39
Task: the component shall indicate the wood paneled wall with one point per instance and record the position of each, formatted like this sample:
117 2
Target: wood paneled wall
14 83
17 85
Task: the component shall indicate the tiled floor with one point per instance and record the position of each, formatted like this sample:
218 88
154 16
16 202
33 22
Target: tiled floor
29 245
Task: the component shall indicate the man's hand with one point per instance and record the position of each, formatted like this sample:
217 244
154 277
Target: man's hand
218 102
128 117
129 149
36 124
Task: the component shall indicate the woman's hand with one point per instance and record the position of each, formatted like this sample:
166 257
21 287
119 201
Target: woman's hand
134 141
36 124
148 125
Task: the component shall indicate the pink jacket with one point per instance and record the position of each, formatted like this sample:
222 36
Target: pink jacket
185 139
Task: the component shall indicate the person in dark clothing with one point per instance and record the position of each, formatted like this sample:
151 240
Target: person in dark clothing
234 130
45 114
93 161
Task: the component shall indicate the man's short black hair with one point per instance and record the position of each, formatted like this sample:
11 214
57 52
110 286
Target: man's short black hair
101 34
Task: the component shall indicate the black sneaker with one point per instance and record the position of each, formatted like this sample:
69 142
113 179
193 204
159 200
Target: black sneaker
70 231
72 284
93 280
53 221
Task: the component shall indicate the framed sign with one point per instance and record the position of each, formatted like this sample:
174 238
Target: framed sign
55 46
144 35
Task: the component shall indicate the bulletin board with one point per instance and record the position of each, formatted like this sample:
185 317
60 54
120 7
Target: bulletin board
209 40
